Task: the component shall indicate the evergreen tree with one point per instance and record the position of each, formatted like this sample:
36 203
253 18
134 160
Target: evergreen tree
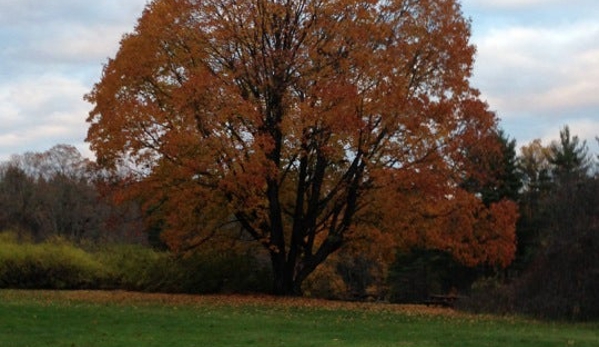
507 178
569 158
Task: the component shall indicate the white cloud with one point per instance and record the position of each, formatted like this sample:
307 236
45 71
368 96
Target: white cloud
538 65
52 52
42 111
47 93
63 32
28 12
552 70
75 44
521 4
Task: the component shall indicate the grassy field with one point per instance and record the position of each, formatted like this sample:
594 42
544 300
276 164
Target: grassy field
88 319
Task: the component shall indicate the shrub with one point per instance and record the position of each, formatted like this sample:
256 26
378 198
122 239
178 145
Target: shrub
325 282
225 271
419 273
488 294
55 264
58 264
140 268
135 268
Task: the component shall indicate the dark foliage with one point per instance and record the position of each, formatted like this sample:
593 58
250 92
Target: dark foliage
416 275
563 280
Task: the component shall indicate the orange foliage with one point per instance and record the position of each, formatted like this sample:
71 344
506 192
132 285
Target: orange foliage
294 119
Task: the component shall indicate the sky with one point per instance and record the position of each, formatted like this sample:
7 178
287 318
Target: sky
537 66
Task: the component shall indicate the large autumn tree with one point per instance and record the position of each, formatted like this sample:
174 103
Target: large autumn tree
301 120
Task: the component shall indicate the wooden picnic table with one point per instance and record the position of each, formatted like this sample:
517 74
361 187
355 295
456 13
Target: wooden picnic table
441 300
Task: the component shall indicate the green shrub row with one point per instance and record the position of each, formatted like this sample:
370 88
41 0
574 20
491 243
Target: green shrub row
59 264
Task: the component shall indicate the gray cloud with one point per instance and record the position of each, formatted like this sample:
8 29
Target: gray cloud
51 53
519 5
550 70
40 112
538 65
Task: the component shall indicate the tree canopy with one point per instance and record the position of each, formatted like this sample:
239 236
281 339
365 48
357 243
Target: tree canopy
309 123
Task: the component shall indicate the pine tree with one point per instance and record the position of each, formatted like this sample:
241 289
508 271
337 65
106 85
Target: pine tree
569 158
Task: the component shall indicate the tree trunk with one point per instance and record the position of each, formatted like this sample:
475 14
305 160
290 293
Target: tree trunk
284 281
287 279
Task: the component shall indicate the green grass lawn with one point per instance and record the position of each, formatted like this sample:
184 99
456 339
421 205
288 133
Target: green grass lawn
87 319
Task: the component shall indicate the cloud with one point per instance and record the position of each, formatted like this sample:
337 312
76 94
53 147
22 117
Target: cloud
52 53
74 44
522 4
38 36
538 65
27 12
550 70
39 112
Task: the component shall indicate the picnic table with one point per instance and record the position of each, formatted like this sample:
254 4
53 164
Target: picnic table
441 300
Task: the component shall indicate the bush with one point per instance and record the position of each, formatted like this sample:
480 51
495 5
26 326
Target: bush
55 264
419 273
136 268
488 294
143 269
218 272
58 264
326 283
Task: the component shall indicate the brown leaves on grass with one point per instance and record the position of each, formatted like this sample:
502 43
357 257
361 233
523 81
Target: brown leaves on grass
46 297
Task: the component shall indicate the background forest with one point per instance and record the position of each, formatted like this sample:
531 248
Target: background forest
67 226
